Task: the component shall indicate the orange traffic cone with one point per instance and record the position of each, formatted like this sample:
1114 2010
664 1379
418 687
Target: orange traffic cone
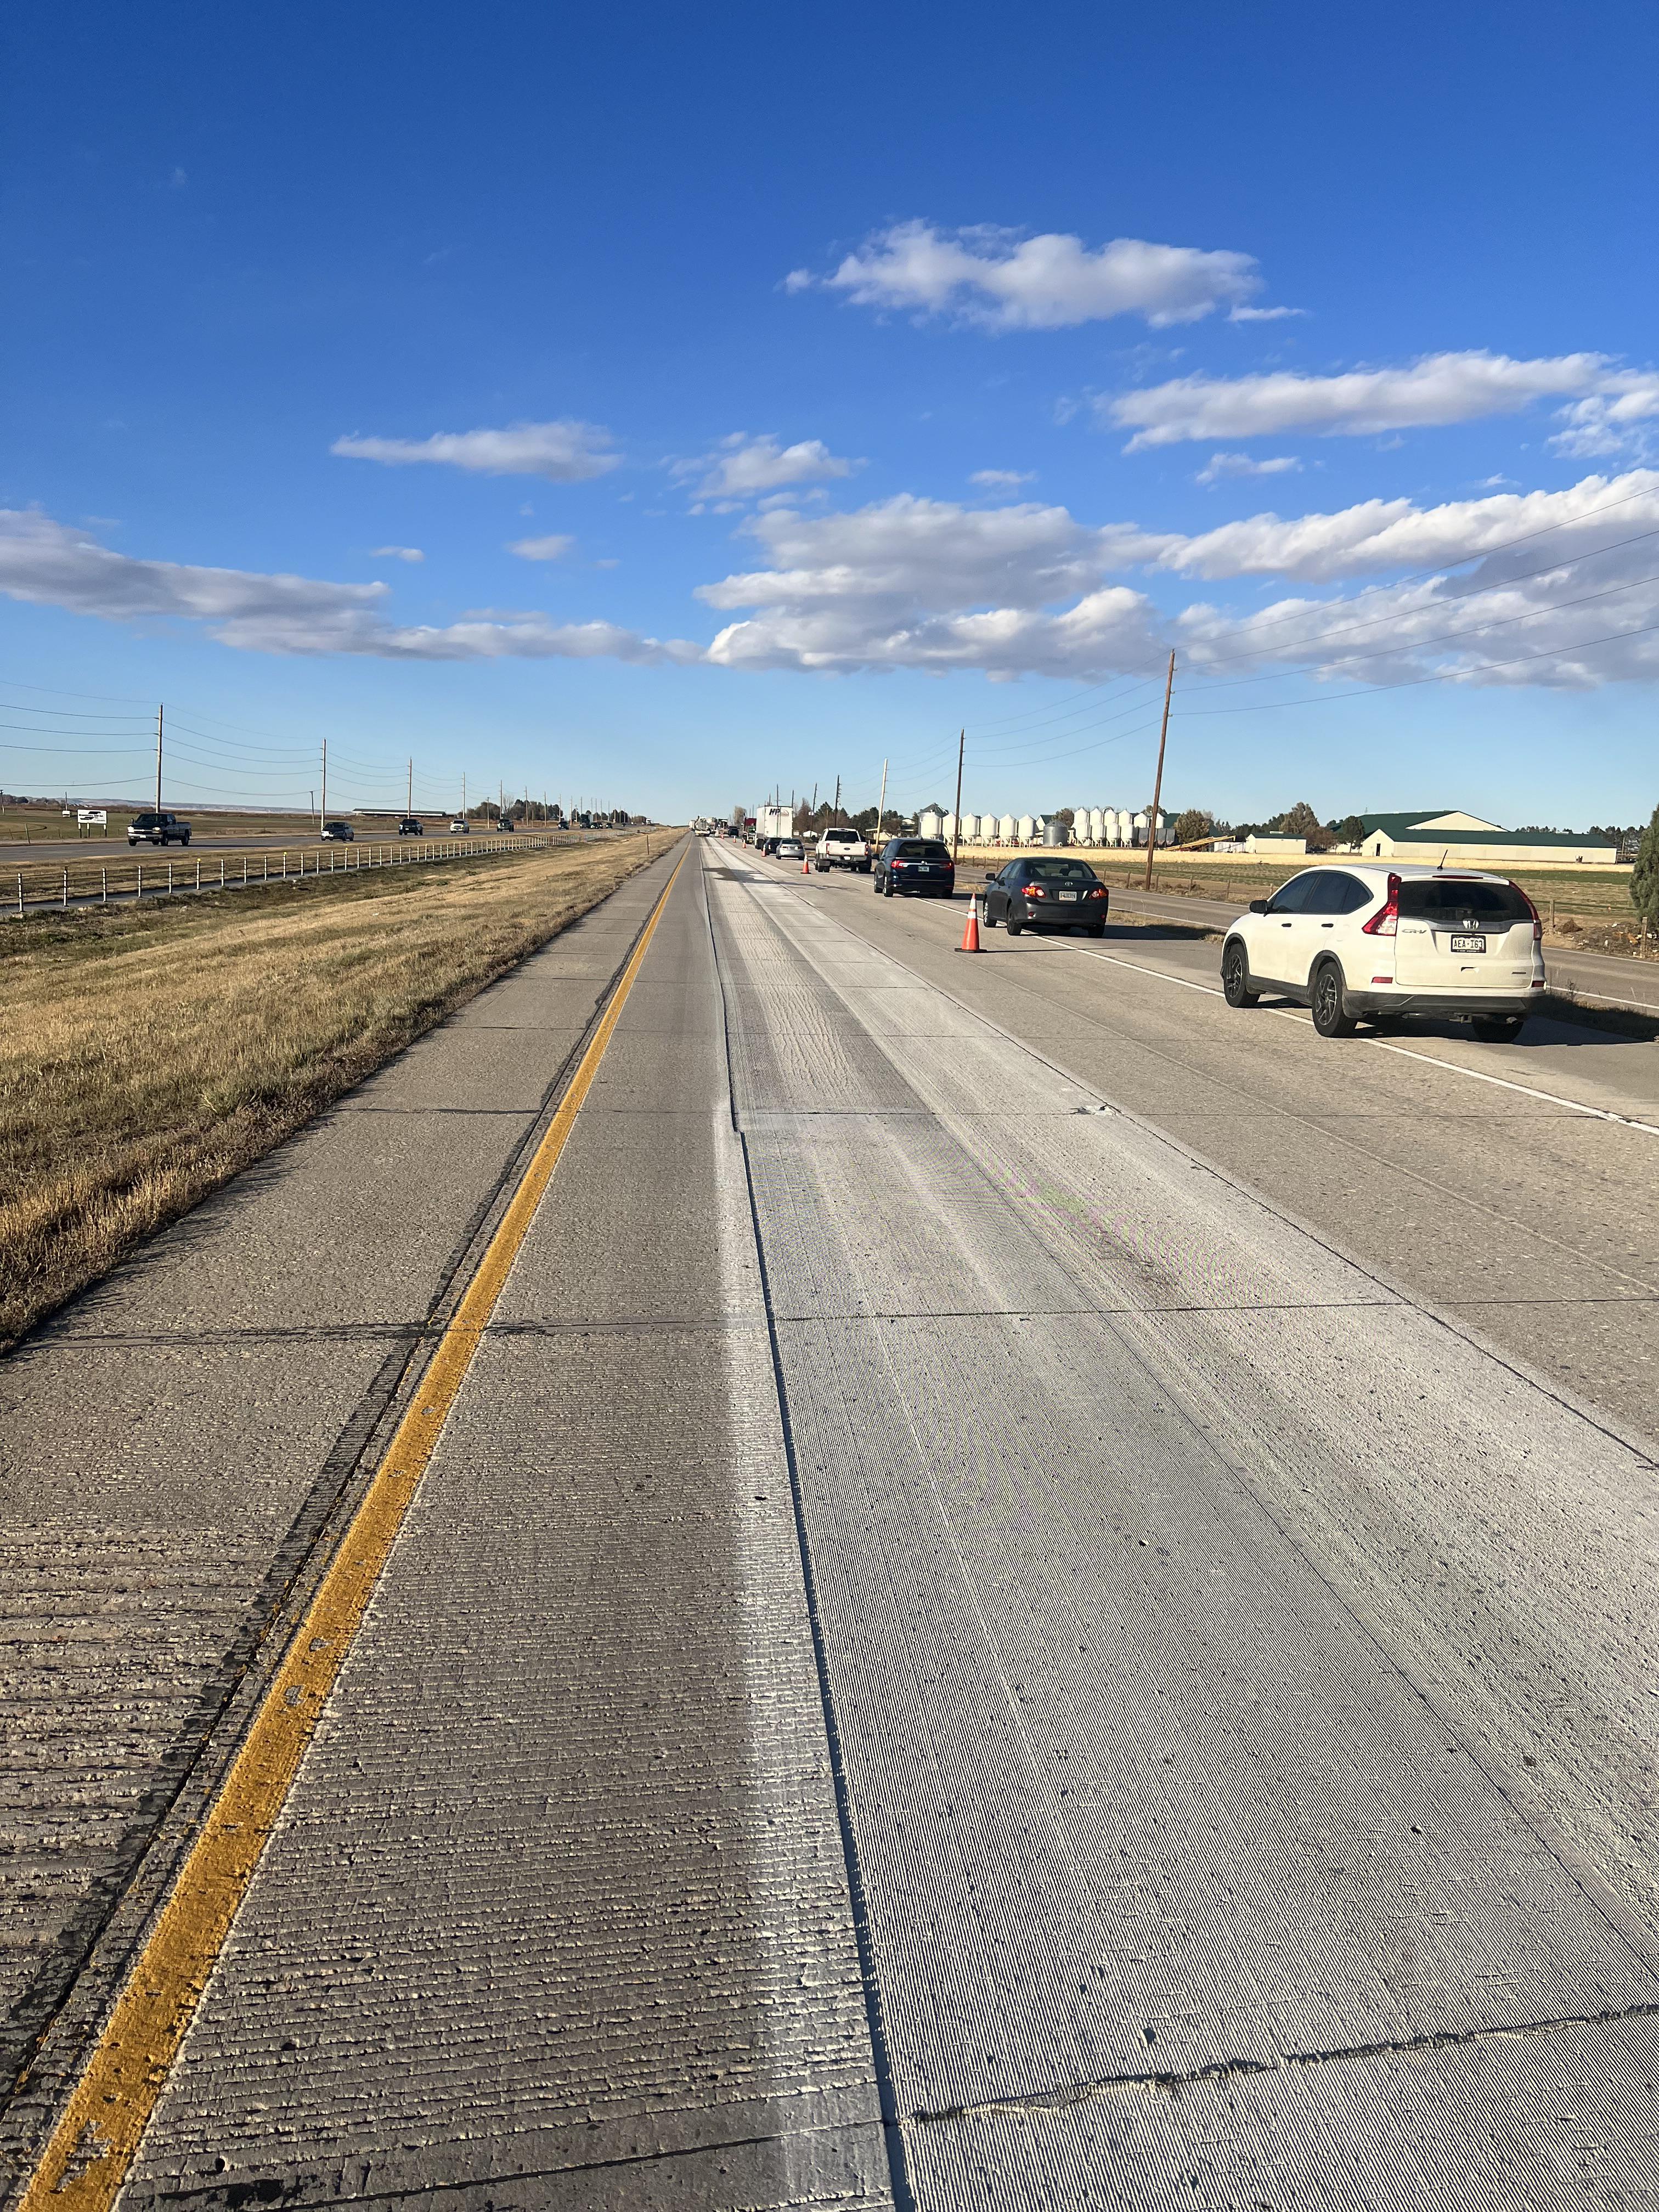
805 865
970 935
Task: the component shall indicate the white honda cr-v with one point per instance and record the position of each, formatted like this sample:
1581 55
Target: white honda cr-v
1379 943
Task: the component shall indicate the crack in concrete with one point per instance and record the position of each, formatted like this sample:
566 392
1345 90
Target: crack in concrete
1221 2069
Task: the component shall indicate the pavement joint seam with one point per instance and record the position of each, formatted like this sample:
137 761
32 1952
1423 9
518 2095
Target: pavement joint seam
880 2045
1225 2069
227 2193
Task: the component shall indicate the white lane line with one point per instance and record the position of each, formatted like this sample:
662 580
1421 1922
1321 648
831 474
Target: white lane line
1377 1044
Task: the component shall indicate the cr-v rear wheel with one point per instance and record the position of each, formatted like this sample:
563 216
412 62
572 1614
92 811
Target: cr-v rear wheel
1235 976
1331 1017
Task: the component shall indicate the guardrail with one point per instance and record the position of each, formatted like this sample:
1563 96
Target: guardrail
73 883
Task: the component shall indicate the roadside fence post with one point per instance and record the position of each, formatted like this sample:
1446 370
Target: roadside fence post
222 875
104 872
169 879
20 894
139 893
66 891
198 875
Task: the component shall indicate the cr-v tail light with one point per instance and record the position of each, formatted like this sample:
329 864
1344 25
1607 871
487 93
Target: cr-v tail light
1385 922
1537 920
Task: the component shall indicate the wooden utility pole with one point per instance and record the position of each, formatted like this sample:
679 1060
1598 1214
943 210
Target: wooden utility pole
956 819
881 804
409 803
1158 785
834 811
322 811
160 712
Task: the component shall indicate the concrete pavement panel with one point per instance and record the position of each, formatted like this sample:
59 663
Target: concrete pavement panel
1170 1753
171 1448
557 1913
1521 1214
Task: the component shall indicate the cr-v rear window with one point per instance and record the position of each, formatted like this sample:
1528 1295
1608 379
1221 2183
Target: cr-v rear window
1439 900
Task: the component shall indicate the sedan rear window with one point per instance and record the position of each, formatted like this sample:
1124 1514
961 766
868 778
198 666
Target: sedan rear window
1441 899
1060 872
922 849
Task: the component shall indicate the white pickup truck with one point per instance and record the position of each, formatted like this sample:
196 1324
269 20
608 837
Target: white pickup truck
841 848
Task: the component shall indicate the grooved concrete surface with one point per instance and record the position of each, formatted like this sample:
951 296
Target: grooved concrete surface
167 1444
1240 1672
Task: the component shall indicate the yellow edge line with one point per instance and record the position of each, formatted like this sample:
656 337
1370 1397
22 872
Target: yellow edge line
94 2144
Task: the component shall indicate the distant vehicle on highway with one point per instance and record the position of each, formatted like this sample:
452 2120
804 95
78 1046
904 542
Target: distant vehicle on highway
1047 893
915 867
504 825
460 827
341 832
841 848
789 848
155 828
1381 943
411 826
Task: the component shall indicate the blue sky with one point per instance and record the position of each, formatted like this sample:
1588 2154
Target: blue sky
841 381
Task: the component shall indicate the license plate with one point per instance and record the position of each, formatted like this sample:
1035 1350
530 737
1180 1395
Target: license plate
1069 895
1468 944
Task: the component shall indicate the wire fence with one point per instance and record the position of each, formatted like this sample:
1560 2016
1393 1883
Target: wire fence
77 884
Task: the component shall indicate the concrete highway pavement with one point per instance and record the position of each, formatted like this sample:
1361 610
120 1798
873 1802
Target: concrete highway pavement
1038 1593
1600 978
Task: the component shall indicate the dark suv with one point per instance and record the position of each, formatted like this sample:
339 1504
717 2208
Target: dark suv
918 867
411 826
1049 894
158 829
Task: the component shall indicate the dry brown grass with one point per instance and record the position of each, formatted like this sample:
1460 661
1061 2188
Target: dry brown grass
146 1056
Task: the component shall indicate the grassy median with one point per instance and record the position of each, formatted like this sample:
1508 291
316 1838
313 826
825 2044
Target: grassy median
146 1056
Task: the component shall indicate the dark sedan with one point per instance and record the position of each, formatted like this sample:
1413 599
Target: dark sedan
1049 894
915 867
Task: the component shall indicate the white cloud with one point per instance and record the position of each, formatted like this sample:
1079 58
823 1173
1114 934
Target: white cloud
742 467
411 553
1221 465
1263 314
562 452
1519 616
1620 418
1380 534
992 276
541 548
917 583
1002 479
1446 387
45 562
